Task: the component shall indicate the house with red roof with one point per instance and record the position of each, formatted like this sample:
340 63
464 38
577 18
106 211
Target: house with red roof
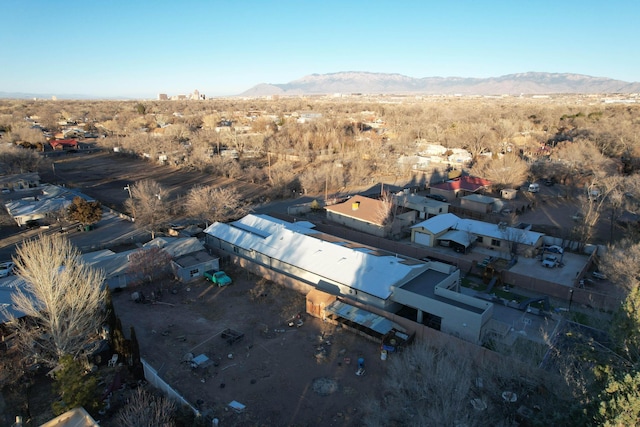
64 144
460 187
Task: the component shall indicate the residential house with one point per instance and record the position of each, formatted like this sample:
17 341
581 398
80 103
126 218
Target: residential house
64 144
460 156
189 257
72 133
189 260
461 234
76 417
459 187
9 285
424 206
426 291
114 265
20 181
50 203
371 216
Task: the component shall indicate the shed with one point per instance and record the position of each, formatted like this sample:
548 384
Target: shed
477 203
508 193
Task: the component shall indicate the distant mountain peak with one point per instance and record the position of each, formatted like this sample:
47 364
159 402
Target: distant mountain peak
532 83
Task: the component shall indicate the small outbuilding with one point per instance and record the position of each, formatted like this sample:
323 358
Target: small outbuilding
477 203
508 193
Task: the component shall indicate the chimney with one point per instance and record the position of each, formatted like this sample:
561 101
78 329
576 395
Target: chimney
355 206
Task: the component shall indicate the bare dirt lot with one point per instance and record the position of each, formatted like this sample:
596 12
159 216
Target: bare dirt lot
285 375
103 175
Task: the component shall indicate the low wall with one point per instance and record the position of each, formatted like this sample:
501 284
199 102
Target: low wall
118 214
152 377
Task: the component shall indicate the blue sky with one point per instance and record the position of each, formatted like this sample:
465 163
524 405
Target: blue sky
139 48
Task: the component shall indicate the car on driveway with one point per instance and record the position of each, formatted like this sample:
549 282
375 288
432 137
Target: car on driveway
550 261
553 249
598 275
6 268
578 216
437 197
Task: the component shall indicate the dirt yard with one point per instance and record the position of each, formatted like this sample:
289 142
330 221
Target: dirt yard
284 375
104 175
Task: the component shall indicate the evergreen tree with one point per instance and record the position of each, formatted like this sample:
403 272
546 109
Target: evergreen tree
136 365
75 387
84 212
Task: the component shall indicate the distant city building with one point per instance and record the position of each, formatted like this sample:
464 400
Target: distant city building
195 96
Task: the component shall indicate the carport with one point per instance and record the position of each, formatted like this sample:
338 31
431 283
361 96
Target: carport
361 320
459 240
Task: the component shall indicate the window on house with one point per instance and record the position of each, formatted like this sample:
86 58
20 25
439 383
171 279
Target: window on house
479 239
194 272
236 250
495 242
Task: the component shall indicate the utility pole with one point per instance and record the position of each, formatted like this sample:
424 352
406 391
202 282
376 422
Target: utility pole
570 298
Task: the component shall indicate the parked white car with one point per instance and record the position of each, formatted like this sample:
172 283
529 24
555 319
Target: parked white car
550 261
6 268
554 249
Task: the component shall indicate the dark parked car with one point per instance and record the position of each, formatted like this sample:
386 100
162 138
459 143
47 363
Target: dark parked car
32 223
437 197
548 182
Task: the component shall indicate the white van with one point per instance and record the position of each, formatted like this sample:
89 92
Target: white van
534 188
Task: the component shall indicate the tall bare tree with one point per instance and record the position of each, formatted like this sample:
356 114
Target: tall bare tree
62 298
212 204
148 204
503 171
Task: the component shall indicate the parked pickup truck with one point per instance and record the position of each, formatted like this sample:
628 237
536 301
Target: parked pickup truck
219 278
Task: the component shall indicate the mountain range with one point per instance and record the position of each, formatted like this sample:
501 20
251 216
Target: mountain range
361 82
531 83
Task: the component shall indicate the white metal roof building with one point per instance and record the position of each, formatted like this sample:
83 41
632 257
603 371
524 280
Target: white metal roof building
346 269
327 262
430 231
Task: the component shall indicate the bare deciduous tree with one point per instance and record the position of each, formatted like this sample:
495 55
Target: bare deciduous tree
146 410
15 160
438 383
149 263
504 171
148 204
384 214
62 297
213 204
